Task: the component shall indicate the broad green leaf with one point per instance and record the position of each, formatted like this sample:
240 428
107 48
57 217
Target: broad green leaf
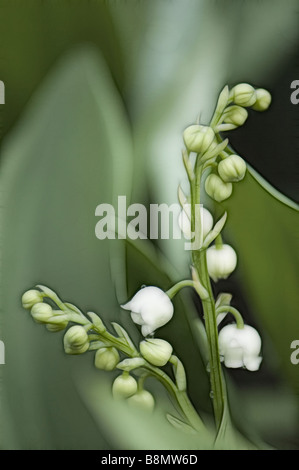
178 424
262 227
70 152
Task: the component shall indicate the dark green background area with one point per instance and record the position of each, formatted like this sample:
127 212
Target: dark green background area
34 34
93 89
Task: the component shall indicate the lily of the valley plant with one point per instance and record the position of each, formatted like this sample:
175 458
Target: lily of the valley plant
211 166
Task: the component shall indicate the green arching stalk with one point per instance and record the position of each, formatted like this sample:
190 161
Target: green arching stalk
234 312
181 398
178 286
105 338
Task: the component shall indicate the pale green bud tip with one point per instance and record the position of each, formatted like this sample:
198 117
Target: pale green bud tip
221 261
217 189
31 297
156 351
142 400
243 94
124 386
235 115
106 358
198 138
54 328
263 100
41 312
232 168
76 340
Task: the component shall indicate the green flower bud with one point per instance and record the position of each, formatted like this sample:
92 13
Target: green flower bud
156 351
198 138
263 100
58 322
243 94
106 358
41 312
217 189
76 340
232 168
31 297
235 116
142 400
124 386
54 328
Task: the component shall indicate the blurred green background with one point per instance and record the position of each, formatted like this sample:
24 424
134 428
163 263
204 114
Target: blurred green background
97 96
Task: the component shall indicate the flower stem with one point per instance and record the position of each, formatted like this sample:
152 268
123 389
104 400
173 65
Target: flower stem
178 286
216 377
234 312
181 398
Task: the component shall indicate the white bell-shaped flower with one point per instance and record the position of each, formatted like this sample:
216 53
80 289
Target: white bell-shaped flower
240 347
221 261
184 221
150 308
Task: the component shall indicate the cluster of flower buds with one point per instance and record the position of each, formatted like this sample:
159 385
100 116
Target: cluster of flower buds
126 387
246 95
151 308
230 113
41 312
240 97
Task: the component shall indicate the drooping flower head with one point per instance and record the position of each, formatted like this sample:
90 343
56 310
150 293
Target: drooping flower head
151 308
240 347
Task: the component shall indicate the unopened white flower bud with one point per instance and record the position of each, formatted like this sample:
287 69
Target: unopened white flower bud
217 189
184 221
156 351
198 138
151 308
221 261
263 100
41 312
124 386
235 115
106 358
31 297
240 347
232 169
142 400
243 94
76 340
